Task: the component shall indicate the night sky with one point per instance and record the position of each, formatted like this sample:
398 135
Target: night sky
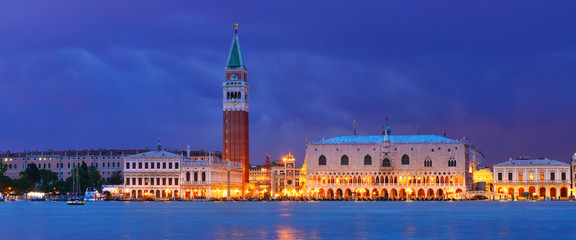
117 75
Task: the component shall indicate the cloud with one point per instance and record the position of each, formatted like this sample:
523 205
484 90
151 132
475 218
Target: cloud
82 75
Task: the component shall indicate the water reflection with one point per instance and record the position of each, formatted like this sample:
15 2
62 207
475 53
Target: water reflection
319 220
285 233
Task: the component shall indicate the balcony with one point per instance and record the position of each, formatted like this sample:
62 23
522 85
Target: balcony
386 169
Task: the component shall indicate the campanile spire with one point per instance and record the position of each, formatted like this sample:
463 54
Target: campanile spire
235 58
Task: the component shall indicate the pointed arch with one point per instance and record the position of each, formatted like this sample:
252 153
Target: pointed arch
367 160
427 162
322 160
344 160
386 162
405 160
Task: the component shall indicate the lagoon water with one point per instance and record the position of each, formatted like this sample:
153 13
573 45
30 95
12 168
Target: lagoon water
288 220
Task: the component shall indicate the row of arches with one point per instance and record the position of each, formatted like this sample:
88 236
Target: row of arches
428 162
234 95
158 194
393 193
385 180
540 191
345 160
202 175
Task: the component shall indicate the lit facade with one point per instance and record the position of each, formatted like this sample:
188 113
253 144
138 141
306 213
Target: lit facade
206 177
152 175
260 178
162 175
285 178
390 166
540 177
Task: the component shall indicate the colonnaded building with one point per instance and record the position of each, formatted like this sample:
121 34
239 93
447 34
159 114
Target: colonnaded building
532 177
164 175
390 166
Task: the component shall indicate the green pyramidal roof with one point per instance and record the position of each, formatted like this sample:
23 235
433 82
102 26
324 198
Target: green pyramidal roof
235 59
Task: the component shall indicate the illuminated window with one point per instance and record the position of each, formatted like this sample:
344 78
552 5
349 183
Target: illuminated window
531 177
520 177
541 176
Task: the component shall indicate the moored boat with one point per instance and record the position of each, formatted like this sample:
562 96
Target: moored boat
75 202
91 194
75 199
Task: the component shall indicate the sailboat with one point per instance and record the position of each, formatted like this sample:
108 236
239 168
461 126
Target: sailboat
75 199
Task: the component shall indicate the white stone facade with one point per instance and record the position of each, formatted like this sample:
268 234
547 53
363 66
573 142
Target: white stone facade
164 175
433 166
541 178
152 175
208 178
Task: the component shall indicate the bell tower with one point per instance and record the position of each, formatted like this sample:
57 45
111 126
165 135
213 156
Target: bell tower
235 101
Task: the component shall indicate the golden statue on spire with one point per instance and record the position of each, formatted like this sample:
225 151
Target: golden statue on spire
236 26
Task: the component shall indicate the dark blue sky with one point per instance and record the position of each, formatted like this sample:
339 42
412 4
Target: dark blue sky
116 75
